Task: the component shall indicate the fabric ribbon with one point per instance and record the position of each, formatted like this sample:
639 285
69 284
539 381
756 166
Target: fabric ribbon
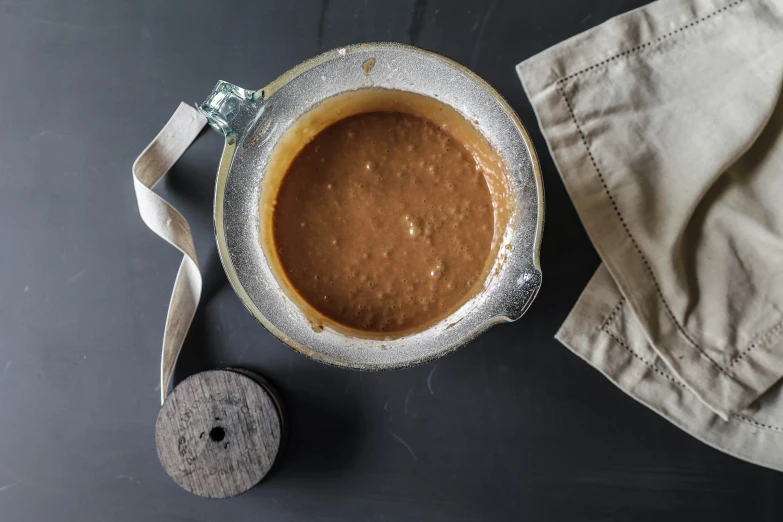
163 219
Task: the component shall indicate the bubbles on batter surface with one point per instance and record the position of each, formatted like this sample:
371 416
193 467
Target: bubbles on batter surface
403 198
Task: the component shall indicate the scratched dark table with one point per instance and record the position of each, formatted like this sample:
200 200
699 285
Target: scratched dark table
511 427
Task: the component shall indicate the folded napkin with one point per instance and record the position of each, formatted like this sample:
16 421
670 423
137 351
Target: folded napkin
666 125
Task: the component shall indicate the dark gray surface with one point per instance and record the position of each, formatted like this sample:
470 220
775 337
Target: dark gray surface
512 427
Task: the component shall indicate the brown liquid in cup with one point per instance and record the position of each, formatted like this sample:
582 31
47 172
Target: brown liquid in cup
384 222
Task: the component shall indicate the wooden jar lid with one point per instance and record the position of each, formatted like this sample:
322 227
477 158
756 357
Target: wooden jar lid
218 433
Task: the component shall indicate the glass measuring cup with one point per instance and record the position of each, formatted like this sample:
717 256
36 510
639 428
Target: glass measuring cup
254 122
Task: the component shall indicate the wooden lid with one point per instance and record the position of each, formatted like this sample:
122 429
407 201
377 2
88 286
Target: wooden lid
218 433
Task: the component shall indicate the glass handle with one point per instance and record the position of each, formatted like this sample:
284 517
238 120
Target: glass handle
229 109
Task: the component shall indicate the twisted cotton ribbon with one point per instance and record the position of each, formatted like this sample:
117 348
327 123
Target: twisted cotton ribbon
163 219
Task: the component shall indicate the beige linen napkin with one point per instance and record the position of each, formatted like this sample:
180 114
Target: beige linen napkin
666 125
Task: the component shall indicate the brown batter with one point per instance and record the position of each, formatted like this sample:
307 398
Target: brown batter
383 222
